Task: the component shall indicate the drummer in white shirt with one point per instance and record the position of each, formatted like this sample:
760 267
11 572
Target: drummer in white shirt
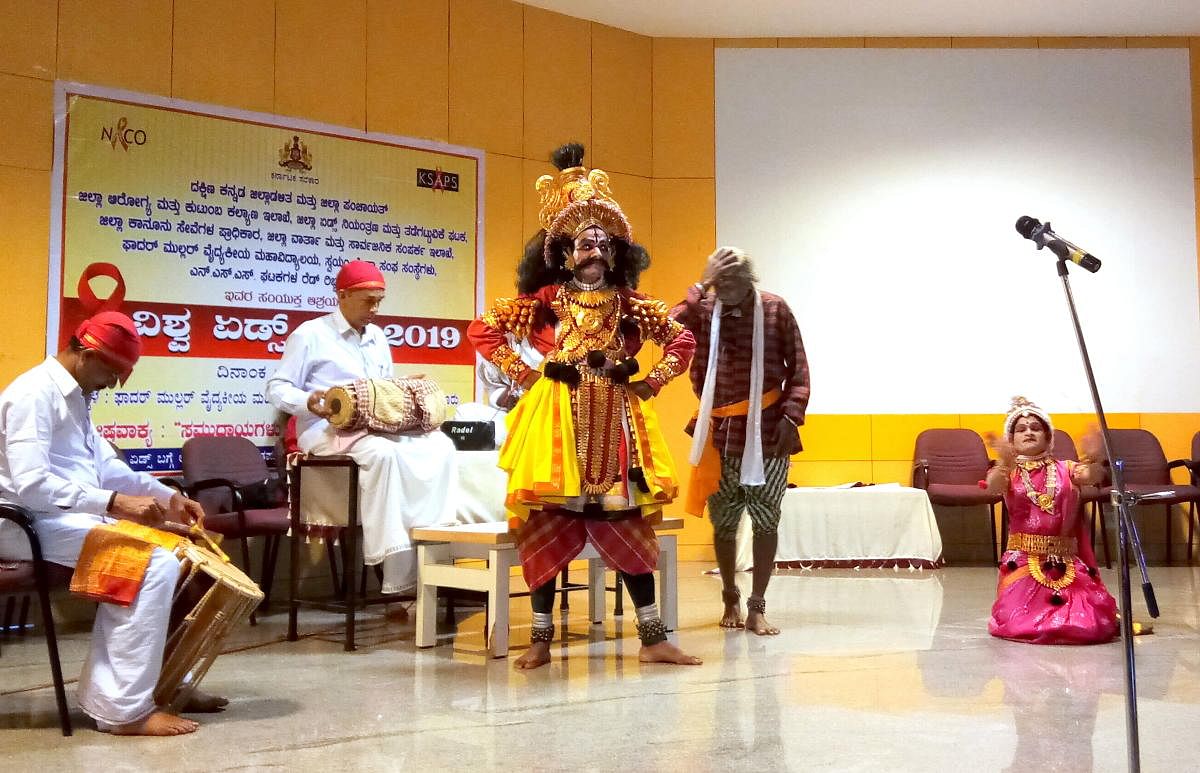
55 464
405 481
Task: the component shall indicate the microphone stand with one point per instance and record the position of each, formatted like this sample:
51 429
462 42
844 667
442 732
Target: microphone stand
1128 540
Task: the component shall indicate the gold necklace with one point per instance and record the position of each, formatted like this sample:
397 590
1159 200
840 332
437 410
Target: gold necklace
1038 573
591 299
589 322
1044 500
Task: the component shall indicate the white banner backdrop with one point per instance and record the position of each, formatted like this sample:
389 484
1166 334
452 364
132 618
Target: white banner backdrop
878 191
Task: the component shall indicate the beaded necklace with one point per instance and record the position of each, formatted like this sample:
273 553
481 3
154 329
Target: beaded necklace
1044 500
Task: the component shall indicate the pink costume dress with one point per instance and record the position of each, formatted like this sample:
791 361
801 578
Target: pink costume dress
1049 590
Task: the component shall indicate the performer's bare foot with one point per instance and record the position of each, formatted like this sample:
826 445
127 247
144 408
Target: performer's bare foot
538 654
200 702
396 613
666 652
756 622
158 723
732 616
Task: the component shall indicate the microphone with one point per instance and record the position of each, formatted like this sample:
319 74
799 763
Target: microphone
1043 235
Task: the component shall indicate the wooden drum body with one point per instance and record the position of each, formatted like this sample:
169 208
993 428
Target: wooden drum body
195 643
387 405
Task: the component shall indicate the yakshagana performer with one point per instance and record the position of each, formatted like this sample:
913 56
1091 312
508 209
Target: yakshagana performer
1049 591
585 456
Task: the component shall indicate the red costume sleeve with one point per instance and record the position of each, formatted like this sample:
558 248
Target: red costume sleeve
517 316
687 311
656 324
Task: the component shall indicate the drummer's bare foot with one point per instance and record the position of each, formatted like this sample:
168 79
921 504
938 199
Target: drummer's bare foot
158 723
538 654
201 702
666 652
732 616
756 622
397 613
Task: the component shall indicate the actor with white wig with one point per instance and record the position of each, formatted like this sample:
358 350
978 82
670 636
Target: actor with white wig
752 403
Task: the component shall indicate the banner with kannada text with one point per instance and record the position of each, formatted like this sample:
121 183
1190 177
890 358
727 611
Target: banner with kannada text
219 231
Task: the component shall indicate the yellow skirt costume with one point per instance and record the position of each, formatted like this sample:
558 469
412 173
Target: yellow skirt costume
542 454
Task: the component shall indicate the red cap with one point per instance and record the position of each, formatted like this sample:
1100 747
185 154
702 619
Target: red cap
113 336
359 275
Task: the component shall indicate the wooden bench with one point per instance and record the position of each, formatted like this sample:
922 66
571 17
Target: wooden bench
439 546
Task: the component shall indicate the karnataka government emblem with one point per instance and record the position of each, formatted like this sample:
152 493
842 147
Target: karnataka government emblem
294 155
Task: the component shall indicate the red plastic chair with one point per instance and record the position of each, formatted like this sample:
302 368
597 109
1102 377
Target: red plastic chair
948 464
1091 498
1147 470
38 576
220 473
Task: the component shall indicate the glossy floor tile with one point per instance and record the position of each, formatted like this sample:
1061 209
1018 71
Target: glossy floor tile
874 670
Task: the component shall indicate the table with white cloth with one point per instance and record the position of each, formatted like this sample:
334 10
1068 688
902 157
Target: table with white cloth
482 487
867 526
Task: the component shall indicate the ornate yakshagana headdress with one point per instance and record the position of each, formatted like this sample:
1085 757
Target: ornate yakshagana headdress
577 199
1022 406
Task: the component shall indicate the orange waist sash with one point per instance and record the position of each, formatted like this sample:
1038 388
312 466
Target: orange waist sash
706 476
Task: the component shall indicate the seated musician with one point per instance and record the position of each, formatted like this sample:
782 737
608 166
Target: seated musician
405 480
55 464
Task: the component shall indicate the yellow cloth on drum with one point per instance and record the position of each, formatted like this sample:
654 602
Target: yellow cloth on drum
113 560
383 399
390 402
543 467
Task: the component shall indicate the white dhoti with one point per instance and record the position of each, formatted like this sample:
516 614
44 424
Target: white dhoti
116 685
405 481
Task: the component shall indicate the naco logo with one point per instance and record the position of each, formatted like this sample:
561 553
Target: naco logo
123 135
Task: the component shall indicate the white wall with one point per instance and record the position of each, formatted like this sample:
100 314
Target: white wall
878 190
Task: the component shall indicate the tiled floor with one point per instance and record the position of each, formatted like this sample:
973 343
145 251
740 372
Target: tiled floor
876 670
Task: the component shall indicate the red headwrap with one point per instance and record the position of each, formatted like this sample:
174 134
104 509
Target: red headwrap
359 275
113 336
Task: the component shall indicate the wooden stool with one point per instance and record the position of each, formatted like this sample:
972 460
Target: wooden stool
439 546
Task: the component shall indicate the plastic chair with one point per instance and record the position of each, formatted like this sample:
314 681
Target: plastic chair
226 475
1147 470
38 576
1091 498
948 464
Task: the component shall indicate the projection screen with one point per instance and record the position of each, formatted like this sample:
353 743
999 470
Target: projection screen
878 191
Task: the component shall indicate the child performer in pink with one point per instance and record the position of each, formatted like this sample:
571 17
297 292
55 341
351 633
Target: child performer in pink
1049 590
